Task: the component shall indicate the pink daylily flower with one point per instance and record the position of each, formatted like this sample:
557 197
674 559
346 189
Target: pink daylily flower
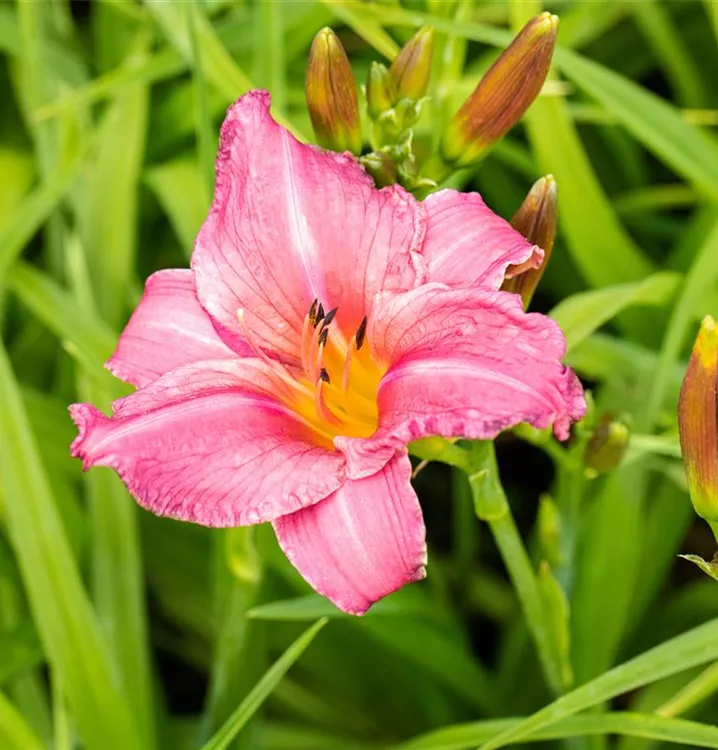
324 324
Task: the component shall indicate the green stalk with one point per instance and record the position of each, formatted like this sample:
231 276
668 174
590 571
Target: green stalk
491 506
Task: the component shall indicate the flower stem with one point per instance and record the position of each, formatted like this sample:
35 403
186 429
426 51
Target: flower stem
491 506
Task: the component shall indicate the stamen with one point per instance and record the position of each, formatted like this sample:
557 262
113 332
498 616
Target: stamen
323 411
320 314
347 363
361 333
323 337
310 322
324 375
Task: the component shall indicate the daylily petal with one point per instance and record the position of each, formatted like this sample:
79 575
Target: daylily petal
361 543
168 329
468 245
469 363
198 445
291 223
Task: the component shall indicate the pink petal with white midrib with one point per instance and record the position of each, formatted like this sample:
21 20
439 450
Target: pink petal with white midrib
361 543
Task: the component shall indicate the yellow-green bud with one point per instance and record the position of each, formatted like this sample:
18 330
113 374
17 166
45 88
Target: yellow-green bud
411 68
697 422
536 220
503 94
380 90
607 446
332 95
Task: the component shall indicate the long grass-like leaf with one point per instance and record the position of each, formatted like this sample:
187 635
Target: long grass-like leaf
262 689
66 623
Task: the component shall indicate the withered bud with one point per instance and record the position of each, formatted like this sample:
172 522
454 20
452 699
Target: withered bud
607 446
411 68
331 95
697 422
536 220
503 94
380 90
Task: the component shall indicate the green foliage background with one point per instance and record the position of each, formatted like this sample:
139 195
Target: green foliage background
120 630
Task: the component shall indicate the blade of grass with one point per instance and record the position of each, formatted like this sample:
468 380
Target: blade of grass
15 732
694 693
701 277
466 736
66 623
693 648
353 14
111 205
20 649
270 61
117 574
34 211
180 189
206 139
581 314
262 689
655 123
56 308
657 27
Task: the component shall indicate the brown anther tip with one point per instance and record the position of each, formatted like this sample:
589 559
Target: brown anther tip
312 314
320 313
323 337
330 316
324 375
361 333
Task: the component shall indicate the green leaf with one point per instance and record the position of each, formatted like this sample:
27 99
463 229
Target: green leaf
66 623
312 606
181 191
583 313
262 689
654 122
15 732
33 212
20 649
695 647
467 736
91 340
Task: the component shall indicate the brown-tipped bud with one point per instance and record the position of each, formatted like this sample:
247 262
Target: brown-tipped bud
332 95
697 422
380 90
536 220
607 446
411 68
503 94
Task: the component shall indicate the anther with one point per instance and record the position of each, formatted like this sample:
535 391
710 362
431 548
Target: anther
324 375
320 314
323 337
361 333
330 316
312 315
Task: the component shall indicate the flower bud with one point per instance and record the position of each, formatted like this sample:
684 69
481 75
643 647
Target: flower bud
332 96
607 446
697 422
380 90
536 220
503 94
411 68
